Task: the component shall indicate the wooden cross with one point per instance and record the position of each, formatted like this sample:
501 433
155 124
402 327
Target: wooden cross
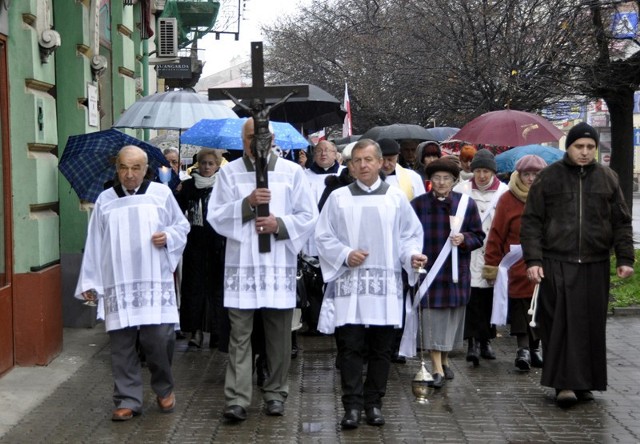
261 143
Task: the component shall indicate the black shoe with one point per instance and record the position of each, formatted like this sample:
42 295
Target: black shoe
438 380
584 395
566 398
473 352
486 351
294 351
275 408
448 373
374 416
235 413
523 359
351 419
397 359
536 358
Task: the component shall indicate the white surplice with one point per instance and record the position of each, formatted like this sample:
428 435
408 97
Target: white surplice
382 223
253 279
133 278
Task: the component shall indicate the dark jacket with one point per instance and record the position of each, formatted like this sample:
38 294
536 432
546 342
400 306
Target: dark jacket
576 214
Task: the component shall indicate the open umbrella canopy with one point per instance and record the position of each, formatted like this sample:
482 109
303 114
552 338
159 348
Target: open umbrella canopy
506 161
398 131
227 134
88 160
508 128
443 132
313 113
177 110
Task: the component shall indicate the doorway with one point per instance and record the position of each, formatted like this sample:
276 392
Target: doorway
7 355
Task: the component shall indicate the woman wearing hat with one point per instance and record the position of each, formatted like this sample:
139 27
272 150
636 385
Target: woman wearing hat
505 232
444 303
427 152
485 189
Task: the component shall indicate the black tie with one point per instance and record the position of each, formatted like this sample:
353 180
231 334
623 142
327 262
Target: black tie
131 192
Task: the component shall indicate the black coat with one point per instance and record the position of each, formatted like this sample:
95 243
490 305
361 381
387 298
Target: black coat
201 289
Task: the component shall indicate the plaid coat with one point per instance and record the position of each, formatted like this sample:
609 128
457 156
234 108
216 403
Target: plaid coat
434 215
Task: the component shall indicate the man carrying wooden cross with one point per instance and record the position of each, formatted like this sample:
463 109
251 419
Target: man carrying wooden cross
256 280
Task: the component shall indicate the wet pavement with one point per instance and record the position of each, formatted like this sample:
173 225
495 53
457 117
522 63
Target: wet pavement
490 403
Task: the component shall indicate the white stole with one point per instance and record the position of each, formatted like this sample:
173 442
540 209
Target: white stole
492 205
408 343
501 287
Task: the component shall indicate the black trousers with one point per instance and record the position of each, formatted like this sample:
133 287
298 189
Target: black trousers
477 320
357 345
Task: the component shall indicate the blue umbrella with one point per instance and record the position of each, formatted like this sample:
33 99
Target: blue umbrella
227 134
507 161
88 160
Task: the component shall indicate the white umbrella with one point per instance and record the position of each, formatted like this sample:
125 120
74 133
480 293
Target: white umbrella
178 110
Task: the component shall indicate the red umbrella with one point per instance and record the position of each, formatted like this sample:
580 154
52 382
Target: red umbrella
508 128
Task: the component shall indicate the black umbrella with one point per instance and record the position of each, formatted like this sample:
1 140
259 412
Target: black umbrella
313 113
398 131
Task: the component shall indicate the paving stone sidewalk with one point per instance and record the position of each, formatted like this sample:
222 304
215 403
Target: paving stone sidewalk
492 403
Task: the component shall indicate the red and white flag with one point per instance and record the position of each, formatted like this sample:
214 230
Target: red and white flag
346 126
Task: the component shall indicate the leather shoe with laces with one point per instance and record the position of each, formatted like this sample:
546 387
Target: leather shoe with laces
374 416
123 414
275 408
167 404
351 419
235 413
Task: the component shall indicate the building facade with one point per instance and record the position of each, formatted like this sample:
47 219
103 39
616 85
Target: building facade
66 67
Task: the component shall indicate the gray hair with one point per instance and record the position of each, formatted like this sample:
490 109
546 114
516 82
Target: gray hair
171 149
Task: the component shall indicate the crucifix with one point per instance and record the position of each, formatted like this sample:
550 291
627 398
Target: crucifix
261 143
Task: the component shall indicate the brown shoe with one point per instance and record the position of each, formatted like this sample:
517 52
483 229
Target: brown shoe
123 414
167 404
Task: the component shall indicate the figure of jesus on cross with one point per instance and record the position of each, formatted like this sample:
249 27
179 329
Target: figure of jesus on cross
262 141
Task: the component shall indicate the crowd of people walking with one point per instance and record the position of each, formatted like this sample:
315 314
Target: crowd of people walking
532 253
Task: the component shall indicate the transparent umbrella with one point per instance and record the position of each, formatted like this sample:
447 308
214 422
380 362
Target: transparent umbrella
178 110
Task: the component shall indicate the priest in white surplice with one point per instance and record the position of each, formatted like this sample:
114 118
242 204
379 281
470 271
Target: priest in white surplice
260 281
366 234
135 239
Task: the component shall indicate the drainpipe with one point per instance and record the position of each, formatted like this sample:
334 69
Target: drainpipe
145 75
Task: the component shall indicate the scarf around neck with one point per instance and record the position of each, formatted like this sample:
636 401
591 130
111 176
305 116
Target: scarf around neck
517 187
201 181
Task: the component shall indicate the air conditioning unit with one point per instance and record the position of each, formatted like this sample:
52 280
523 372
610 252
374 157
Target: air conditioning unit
167 37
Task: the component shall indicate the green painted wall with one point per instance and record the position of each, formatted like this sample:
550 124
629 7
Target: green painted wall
32 121
73 74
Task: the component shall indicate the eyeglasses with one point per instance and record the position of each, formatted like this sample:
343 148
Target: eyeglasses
443 179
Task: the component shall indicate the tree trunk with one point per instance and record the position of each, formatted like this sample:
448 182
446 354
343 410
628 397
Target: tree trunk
620 105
